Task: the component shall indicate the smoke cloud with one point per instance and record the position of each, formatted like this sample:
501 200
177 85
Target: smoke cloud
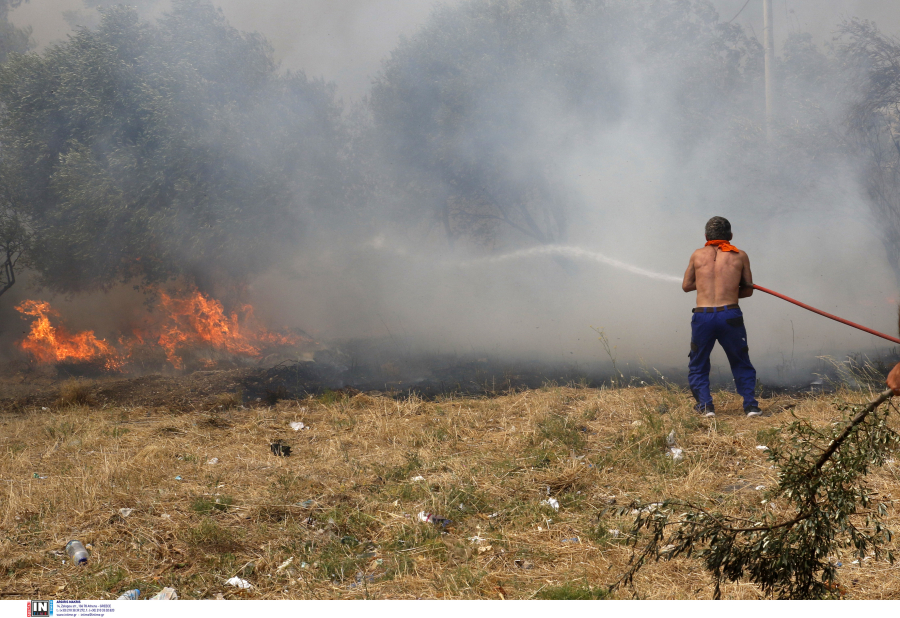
636 150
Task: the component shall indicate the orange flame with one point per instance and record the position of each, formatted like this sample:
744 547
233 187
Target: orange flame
199 321
183 323
54 344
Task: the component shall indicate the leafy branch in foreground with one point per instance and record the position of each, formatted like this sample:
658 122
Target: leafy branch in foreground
821 485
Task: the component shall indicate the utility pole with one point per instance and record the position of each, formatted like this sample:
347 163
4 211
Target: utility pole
769 44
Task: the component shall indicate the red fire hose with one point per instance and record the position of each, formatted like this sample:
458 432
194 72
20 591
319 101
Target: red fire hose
827 315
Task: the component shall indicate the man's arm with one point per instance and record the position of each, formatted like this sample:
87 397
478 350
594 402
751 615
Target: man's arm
689 284
746 285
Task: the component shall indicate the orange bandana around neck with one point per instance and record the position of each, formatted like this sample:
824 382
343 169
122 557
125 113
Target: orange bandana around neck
721 245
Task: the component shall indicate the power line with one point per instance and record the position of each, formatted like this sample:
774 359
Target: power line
739 12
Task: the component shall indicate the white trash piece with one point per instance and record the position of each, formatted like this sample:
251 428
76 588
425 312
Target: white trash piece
675 453
553 503
125 512
762 448
670 439
285 564
166 594
298 425
213 461
237 582
417 478
130 595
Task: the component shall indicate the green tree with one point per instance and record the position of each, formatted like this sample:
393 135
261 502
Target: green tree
875 126
144 151
821 488
476 110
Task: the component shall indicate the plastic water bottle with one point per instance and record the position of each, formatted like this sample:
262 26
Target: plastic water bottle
131 595
77 552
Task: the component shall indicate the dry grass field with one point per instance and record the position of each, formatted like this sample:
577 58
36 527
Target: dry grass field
164 497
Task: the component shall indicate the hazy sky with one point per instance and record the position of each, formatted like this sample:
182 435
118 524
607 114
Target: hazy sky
345 40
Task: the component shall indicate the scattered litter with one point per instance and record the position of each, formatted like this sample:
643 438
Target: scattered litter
213 461
43 409
762 447
637 423
280 450
431 518
166 594
484 548
304 565
614 533
219 597
493 515
760 487
298 425
285 564
676 454
417 478
130 595
574 539
38 476
647 509
553 503
237 582
838 564
306 503
476 539
77 552
166 516
670 439
125 512
379 561
362 579
461 507
178 478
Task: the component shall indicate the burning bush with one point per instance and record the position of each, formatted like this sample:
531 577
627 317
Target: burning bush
186 327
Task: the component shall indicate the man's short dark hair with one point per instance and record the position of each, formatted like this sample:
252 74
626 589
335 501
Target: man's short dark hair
718 228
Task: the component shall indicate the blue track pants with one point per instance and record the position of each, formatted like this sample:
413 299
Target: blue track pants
726 327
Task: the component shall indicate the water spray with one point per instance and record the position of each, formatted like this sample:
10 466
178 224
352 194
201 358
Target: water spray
584 254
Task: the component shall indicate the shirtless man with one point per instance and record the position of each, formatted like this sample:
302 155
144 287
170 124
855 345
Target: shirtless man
720 273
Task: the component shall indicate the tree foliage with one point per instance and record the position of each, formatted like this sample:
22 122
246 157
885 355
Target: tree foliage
479 107
821 485
144 151
875 125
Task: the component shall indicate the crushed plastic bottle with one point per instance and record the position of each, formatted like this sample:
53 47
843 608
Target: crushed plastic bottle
237 582
130 595
77 552
431 518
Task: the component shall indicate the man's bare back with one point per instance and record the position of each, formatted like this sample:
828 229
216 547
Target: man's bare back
719 277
